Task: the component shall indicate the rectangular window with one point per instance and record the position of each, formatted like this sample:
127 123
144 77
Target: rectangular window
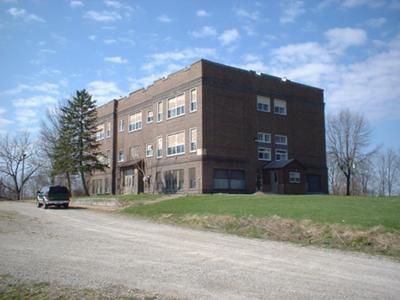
192 178
121 155
134 153
229 179
160 109
121 126
159 147
150 117
176 106
280 154
108 132
149 150
263 104
280 107
280 139
263 137
294 177
135 121
264 153
176 144
174 180
193 100
193 139
100 132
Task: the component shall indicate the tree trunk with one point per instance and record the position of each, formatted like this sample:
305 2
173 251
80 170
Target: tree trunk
84 183
68 181
348 185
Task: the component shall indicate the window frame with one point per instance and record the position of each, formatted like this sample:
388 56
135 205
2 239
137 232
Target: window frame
282 113
108 130
100 134
264 134
149 154
136 127
294 179
162 147
160 115
268 150
190 140
121 128
119 156
176 152
282 150
281 136
259 97
195 101
176 107
152 117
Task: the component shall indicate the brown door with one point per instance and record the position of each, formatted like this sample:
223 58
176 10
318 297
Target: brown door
274 181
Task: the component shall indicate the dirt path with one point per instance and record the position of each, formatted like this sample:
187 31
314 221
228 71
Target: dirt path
91 249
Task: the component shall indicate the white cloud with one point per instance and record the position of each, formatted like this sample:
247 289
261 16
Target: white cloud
109 41
205 31
164 19
46 87
116 59
102 16
76 3
202 13
229 36
291 10
354 3
34 101
26 116
92 37
341 38
114 4
22 14
8 1
242 13
376 22
4 121
104 91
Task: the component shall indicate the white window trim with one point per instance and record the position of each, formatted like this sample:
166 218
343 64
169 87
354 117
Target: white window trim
152 150
100 134
108 130
166 144
190 140
283 150
147 117
264 134
119 125
184 110
279 113
158 112
269 104
280 143
162 144
141 123
191 101
123 156
291 178
264 148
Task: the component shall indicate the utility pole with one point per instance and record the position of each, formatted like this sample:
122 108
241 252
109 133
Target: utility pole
22 176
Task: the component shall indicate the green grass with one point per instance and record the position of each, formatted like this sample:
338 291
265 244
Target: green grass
360 212
140 197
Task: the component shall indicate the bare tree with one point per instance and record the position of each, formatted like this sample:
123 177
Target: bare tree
18 162
388 167
348 136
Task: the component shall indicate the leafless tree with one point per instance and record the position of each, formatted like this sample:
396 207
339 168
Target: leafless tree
348 137
388 170
18 162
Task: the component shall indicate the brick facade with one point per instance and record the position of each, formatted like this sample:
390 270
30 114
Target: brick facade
227 122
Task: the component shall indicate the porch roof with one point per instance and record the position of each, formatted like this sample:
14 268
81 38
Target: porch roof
279 164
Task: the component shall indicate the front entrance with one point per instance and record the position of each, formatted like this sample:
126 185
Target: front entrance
128 181
274 182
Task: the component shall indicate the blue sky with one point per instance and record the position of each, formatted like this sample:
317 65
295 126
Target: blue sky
49 49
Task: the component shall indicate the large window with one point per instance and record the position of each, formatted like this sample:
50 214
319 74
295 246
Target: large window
176 106
121 126
294 177
150 116
159 147
229 179
264 153
280 139
263 137
100 132
174 180
280 107
193 139
176 144
149 150
193 100
263 104
135 121
192 178
121 155
280 154
160 109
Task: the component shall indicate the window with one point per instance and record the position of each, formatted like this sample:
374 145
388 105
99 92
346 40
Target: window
121 126
192 178
264 153
134 152
176 106
280 139
108 132
263 137
263 104
174 180
106 186
149 150
280 154
193 139
294 177
229 179
160 109
108 158
280 107
159 147
100 132
121 155
150 116
135 122
176 144
193 100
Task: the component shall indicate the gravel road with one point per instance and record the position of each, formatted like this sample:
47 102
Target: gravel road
85 248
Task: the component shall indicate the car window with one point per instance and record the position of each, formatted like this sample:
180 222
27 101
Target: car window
59 190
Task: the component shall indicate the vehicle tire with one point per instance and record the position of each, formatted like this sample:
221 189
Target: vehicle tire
65 206
45 205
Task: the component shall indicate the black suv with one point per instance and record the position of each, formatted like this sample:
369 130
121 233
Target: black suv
53 195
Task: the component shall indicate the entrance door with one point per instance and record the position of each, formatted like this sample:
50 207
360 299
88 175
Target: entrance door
128 183
274 181
314 183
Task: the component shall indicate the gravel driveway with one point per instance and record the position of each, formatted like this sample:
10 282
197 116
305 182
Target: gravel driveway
93 249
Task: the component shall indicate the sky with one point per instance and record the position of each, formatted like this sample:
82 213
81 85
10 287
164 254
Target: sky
50 49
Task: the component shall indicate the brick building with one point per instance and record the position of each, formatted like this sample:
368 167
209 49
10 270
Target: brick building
214 128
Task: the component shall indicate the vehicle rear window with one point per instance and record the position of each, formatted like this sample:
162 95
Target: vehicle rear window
58 190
